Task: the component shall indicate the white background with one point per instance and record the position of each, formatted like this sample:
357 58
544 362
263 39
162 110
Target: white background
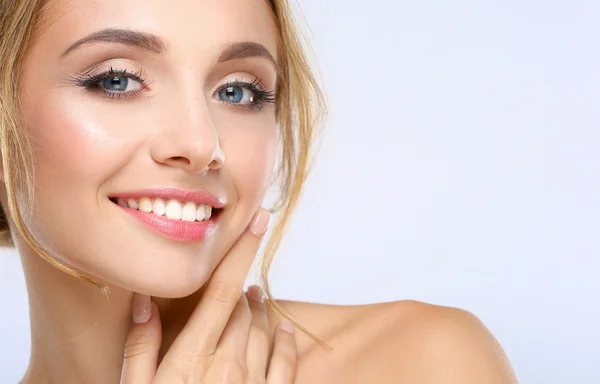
459 167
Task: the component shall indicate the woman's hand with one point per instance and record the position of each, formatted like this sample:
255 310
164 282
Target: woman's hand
226 339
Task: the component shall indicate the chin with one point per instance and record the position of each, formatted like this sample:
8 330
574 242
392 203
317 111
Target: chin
171 289
165 274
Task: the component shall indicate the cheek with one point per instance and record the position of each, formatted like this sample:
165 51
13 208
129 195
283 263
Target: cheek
74 152
79 143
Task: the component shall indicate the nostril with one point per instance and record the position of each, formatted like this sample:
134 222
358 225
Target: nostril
181 158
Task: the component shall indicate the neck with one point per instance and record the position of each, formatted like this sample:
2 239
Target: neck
77 334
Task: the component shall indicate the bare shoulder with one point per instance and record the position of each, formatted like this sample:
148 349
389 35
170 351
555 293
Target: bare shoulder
404 341
429 343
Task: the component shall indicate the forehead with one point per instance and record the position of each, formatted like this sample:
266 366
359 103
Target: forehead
185 26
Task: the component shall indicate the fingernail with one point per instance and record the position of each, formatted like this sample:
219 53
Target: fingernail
259 224
141 308
286 326
255 293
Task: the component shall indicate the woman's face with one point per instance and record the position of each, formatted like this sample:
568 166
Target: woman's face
142 113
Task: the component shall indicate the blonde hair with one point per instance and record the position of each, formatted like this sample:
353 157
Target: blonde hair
300 105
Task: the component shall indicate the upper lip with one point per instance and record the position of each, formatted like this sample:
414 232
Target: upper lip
167 193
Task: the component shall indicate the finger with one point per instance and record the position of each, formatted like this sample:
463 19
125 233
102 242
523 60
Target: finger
257 352
234 340
223 290
142 343
282 368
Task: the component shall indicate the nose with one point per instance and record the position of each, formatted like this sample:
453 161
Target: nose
189 142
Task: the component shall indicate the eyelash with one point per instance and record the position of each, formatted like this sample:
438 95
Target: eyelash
92 83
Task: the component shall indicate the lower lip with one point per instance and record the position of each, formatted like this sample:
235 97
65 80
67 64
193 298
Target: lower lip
174 229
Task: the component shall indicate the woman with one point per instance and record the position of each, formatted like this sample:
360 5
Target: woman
139 138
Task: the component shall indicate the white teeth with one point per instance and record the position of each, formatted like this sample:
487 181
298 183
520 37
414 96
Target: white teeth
188 213
145 205
173 210
200 212
133 203
158 208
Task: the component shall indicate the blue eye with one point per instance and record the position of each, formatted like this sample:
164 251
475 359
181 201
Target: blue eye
235 94
115 84
250 95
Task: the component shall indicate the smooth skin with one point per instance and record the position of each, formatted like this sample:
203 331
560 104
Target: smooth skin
178 131
397 342
225 339
391 342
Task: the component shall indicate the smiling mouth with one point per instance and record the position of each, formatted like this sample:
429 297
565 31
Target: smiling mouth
171 209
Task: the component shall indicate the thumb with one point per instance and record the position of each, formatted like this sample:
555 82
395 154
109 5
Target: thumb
143 342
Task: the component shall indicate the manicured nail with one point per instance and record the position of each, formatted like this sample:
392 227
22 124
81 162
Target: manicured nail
141 308
286 326
259 224
256 293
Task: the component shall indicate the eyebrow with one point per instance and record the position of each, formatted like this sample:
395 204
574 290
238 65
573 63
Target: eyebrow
145 41
244 49
155 44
